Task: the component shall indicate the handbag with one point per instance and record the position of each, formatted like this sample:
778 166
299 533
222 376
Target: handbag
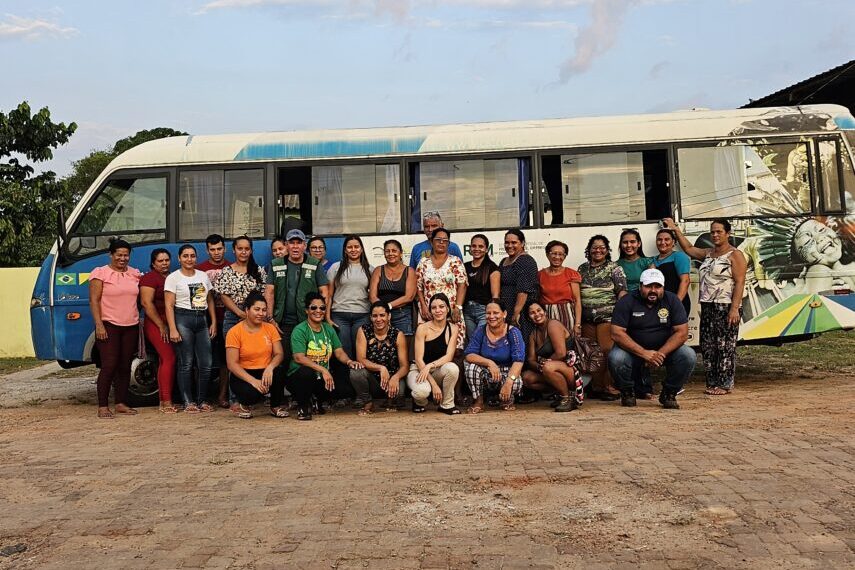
589 355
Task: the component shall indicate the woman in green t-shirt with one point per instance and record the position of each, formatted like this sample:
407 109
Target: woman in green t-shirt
313 343
632 259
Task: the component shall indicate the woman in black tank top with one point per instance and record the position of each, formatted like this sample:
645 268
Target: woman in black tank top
395 285
433 373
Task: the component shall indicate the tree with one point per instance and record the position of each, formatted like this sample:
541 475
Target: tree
86 170
28 203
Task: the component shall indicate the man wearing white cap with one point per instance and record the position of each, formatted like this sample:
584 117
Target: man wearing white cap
649 329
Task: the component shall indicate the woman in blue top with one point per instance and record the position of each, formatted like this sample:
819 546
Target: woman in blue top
674 265
494 359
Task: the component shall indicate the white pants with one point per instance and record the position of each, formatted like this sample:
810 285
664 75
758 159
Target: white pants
446 376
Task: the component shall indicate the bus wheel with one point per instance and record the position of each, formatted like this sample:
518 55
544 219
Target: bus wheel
143 388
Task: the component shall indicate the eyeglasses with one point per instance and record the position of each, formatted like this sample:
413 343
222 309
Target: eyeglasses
317 307
440 240
316 247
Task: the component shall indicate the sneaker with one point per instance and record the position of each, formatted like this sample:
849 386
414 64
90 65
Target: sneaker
669 400
627 399
304 414
567 404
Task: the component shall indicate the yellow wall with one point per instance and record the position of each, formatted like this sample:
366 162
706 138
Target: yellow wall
16 290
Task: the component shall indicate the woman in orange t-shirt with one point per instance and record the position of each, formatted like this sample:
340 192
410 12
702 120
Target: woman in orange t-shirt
559 289
253 355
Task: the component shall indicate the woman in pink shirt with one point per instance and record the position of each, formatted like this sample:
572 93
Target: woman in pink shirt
113 291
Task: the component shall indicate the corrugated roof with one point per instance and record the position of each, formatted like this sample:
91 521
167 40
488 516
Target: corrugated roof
822 80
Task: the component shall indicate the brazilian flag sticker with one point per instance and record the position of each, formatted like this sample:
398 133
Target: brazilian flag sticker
66 279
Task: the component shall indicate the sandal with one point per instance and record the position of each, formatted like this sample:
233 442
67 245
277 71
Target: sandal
279 412
364 412
449 411
223 404
105 414
126 410
206 407
509 407
476 409
191 409
716 391
167 409
417 409
243 412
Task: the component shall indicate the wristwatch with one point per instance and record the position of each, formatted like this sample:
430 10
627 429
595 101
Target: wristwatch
459 307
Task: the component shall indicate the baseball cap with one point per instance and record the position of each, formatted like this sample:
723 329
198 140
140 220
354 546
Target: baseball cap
649 276
295 234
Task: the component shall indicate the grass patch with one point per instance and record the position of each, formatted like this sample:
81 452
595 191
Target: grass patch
34 402
10 365
79 372
219 460
829 352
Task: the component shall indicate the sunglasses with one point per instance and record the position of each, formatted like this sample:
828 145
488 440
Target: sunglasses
317 307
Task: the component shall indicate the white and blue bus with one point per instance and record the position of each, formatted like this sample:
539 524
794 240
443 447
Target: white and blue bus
784 176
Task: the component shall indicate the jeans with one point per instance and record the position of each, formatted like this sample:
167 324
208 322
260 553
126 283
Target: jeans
474 314
627 369
195 341
229 321
348 325
402 319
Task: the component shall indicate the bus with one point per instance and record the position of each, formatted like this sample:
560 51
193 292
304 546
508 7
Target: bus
784 176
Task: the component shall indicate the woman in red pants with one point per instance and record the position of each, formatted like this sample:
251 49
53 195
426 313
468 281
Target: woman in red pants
155 327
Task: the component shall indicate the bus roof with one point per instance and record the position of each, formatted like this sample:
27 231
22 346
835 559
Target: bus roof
484 137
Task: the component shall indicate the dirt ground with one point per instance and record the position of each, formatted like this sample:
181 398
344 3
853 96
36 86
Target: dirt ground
763 478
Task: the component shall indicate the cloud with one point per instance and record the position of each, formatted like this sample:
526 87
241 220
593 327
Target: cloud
597 38
15 27
658 68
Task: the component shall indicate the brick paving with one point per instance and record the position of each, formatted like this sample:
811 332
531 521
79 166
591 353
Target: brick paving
764 478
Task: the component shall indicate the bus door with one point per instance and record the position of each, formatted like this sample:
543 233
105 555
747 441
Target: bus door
339 199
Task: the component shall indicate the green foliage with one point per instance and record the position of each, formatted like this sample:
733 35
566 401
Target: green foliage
28 203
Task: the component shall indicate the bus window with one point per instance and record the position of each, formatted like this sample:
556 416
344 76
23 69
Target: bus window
472 194
832 201
603 187
356 199
131 208
744 180
227 202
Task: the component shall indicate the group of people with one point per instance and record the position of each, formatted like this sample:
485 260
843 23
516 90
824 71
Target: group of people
478 333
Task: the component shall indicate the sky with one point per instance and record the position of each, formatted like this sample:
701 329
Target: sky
229 66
